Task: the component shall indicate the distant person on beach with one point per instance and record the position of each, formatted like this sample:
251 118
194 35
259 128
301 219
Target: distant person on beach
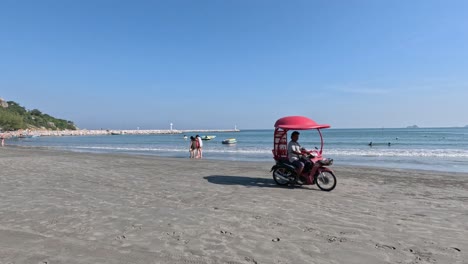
193 146
200 146
2 138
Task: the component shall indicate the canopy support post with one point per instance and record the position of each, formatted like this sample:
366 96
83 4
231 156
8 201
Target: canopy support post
321 141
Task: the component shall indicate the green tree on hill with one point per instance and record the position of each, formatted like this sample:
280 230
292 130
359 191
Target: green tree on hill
10 120
16 117
36 112
16 108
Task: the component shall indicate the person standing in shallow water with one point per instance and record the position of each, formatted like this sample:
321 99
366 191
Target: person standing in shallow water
193 147
200 146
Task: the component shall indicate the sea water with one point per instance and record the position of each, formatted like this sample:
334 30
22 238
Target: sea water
443 149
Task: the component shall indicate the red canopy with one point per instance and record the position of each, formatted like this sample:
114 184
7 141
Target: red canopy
299 123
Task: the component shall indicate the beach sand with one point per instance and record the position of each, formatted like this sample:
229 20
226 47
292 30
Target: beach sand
64 207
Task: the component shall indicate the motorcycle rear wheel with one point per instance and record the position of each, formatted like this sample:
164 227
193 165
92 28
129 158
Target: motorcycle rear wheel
326 181
282 172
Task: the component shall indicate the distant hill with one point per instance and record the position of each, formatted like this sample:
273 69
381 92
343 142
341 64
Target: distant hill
13 117
413 126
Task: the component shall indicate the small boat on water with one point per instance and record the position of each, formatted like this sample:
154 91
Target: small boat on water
116 133
229 141
208 137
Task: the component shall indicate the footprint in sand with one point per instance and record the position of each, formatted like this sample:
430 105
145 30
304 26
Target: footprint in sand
137 227
345 233
177 237
121 237
224 232
332 239
423 256
251 260
384 246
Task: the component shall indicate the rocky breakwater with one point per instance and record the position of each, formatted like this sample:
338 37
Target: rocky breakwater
85 132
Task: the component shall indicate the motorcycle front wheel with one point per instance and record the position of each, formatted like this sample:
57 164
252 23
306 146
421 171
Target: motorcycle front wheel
326 181
281 176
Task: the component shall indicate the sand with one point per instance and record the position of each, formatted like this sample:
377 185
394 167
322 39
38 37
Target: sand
64 207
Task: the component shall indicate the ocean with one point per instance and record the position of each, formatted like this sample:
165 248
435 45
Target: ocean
441 149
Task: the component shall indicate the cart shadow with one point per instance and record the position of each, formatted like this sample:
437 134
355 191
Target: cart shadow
244 181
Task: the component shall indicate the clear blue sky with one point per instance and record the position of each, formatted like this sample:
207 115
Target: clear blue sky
213 64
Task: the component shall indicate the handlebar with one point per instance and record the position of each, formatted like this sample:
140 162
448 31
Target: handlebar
310 153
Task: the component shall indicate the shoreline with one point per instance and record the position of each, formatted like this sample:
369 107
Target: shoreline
270 163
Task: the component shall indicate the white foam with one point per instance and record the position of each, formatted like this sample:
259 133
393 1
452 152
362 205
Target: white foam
433 153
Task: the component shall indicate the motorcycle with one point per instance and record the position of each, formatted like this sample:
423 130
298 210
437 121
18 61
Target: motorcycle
316 170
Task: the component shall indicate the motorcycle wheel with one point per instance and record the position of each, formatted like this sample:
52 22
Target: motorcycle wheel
282 172
326 181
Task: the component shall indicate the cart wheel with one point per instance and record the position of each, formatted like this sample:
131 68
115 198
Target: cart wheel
326 181
281 176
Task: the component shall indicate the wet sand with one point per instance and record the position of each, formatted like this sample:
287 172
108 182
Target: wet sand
64 207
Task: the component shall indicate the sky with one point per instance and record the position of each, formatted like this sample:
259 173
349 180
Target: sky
211 64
